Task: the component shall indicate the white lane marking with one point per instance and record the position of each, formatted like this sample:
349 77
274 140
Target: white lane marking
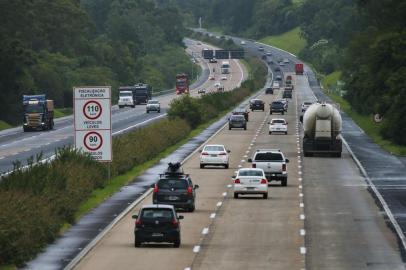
302 217
212 215
224 194
300 194
302 232
300 179
188 268
229 186
242 161
247 152
300 186
239 166
219 204
301 205
196 249
139 124
300 172
302 250
245 156
205 231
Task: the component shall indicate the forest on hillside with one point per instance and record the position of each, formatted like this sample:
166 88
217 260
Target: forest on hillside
365 39
49 46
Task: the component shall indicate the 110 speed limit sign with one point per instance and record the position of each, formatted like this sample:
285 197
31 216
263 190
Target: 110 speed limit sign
92 107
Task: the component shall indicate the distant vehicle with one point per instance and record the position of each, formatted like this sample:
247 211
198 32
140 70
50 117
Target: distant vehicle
275 85
242 42
285 103
278 78
225 67
270 62
257 104
322 125
278 125
213 60
214 155
182 84
38 113
223 78
268 53
277 107
126 97
250 181
198 43
277 69
201 91
217 84
157 223
264 57
286 60
220 88
241 111
153 105
141 92
288 83
299 69
306 105
281 64
260 48
269 91
274 164
176 188
212 78
287 93
237 121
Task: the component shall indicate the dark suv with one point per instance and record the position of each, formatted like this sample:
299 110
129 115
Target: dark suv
157 223
257 104
269 90
237 121
278 107
174 187
241 111
287 93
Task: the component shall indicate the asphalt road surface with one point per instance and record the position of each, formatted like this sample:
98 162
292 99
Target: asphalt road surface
16 145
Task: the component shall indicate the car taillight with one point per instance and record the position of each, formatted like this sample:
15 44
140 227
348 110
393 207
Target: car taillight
254 165
264 181
189 190
237 181
156 188
138 223
284 167
222 154
205 154
175 223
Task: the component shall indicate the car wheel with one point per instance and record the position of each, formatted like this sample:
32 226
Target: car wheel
201 166
191 208
235 195
132 106
270 132
159 111
147 111
265 196
137 243
229 128
283 113
284 182
176 243
226 166
270 112
286 133
245 128
120 107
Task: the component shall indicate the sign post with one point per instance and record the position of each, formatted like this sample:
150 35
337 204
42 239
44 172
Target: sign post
92 121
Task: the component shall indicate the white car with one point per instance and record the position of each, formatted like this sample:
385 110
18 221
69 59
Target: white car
278 125
223 78
201 91
242 42
250 181
217 84
286 61
153 105
214 154
275 85
306 105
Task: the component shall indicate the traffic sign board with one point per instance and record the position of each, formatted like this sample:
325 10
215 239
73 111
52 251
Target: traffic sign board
92 118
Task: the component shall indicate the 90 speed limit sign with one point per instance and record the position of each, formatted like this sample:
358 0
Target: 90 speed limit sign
92 113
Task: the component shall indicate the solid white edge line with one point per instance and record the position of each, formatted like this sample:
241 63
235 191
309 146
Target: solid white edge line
196 249
388 212
212 215
205 230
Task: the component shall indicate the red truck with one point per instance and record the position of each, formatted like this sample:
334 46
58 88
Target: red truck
299 69
182 84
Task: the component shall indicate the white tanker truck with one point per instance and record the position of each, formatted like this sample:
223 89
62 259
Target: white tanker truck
322 126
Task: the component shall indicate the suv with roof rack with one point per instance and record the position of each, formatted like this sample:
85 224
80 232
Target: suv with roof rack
274 164
176 188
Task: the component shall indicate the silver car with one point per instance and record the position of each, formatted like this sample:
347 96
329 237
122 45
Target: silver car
153 105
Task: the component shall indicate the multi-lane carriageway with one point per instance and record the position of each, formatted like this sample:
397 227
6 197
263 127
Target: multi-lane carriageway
324 219
17 145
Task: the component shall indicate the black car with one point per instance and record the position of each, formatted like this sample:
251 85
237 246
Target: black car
278 78
241 111
287 94
269 90
278 107
257 104
237 121
176 188
157 223
277 69
263 57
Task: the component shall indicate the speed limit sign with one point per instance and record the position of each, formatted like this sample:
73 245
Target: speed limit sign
92 118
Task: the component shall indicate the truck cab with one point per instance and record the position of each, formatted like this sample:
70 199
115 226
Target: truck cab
38 113
126 98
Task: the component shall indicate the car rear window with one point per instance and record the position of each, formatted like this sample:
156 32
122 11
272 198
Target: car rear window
214 148
237 117
153 213
277 104
250 173
257 101
172 184
268 156
278 121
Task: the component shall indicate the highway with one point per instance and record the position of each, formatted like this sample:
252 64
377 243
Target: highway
325 219
17 145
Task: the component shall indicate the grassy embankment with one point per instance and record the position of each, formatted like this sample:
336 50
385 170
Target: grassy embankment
363 121
290 41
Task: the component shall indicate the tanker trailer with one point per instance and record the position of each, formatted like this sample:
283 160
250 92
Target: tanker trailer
322 126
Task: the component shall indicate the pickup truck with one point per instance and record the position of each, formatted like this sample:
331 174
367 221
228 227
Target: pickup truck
274 164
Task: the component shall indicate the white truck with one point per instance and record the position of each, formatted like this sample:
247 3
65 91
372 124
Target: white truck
225 67
322 125
126 97
274 164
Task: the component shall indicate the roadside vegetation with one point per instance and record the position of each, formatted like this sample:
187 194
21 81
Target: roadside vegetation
38 202
49 46
290 41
